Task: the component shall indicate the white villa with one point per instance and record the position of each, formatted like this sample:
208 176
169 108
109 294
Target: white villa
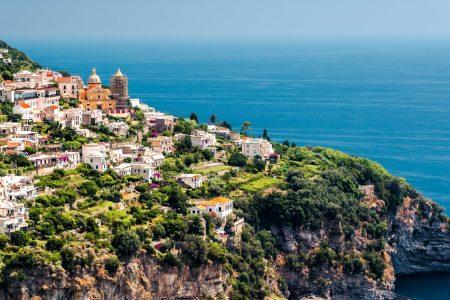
203 140
254 147
219 206
145 170
192 180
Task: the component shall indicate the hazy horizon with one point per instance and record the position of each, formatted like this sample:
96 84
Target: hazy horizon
224 19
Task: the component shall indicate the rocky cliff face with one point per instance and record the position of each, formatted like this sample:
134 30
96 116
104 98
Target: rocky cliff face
420 238
141 278
418 242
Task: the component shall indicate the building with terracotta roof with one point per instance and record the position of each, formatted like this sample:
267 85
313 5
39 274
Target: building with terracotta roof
36 100
25 111
94 96
69 87
219 206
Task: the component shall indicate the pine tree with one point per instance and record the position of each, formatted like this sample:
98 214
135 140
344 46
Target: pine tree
194 117
265 135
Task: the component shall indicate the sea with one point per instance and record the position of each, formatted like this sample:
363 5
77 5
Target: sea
388 100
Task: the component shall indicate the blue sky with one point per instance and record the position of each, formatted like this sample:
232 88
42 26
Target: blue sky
207 19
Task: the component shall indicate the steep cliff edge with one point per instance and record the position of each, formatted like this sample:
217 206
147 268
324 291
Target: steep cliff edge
420 238
418 242
141 278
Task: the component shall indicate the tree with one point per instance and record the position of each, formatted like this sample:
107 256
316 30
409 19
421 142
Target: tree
245 127
3 241
125 243
259 164
237 159
226 125
265 135
20 238
194 250
194 117
177 198
213 119
195 225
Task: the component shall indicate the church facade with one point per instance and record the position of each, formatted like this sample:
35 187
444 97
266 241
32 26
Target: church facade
94 96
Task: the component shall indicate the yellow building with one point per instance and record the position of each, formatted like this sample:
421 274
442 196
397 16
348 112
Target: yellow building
95 97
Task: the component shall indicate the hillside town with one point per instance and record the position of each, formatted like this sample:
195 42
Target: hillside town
111 132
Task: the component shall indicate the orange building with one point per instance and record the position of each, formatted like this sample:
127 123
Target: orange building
95 97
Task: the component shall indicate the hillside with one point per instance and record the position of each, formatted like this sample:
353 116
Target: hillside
318 223
19 61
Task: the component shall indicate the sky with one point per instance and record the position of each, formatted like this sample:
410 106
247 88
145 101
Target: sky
223 19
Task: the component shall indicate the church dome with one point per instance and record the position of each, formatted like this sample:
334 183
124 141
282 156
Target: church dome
94 78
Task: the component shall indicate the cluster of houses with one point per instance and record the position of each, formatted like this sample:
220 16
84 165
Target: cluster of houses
13 213
35 96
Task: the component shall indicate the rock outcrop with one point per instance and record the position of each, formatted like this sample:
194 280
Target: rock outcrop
420 238
141 278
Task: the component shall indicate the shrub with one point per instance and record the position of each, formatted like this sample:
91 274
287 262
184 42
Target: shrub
20 238
54 244
3 241
125 243
237 159
112 263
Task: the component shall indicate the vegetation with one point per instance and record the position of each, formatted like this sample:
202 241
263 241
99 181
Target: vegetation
19 61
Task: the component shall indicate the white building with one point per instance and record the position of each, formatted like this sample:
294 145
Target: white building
219 206
10 127
96 161
94 149
25 111
92 117
119 128
202 139
116 155
123 169
162 144
13 216
192 180
147 171
15 188
254 147
154 158
72 118
39 78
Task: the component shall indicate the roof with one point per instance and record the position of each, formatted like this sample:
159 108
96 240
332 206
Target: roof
24 105
214 201
64 80
53 107
189 175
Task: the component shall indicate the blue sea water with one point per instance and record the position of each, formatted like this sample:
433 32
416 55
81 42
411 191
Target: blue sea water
386 100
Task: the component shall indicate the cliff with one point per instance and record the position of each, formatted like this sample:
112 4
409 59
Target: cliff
140 278
420 238
419 242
